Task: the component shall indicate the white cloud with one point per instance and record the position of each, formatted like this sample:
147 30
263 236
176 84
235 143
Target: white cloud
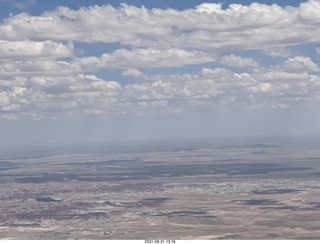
138 58
278 52
37 68
298 64
68 95
11 100
25 61
35 82
26 50
132 72
221 88
237 27
217 87
21 5
209 8
310 11
238 61
272 75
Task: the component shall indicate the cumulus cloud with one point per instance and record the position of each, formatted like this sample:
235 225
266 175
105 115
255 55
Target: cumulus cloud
310 11
238 61
132 72
37 68
217 87
26 50
40 75
51 96
237 27
138 58
298 64
224 88
209 8
27 60
11 100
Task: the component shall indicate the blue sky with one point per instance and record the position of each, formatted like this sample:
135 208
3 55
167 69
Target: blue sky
103 70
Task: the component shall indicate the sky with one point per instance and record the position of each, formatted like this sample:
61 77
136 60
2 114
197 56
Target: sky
77 71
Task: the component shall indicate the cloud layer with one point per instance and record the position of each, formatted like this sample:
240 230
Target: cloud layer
42 76
277 87
206 26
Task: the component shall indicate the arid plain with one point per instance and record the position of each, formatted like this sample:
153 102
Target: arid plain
188 189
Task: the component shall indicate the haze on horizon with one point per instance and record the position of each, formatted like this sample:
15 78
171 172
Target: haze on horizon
101 71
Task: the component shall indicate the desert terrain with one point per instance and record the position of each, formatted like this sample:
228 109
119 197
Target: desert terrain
198 189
